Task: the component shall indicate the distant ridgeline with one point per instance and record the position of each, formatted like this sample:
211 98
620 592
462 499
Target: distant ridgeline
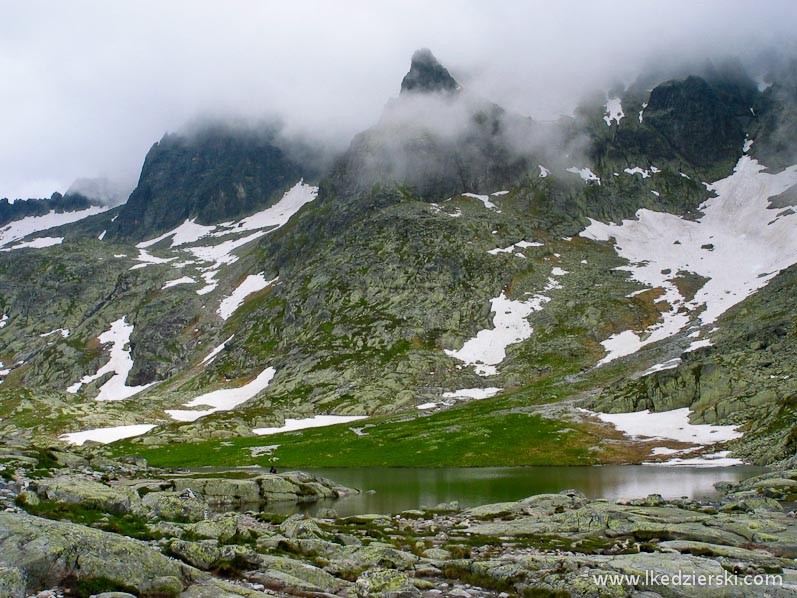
21 208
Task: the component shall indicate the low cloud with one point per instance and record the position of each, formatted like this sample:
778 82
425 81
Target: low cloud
88 86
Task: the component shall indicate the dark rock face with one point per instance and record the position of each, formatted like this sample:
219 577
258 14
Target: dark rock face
39 207
699 124
214 175
426 75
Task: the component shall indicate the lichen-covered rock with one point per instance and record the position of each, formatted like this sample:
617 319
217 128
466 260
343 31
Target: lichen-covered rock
378 554
12 582
299 527
276 488
223 528
386 583
754 504
175 506
216 588
294 574
201 555
221 490
78 490
52 551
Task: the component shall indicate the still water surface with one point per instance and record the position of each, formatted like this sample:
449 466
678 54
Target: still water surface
391 490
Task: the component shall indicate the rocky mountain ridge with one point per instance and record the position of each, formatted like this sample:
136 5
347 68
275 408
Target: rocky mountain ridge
450 254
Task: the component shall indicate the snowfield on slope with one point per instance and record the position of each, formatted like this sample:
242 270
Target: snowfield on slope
18 229
38 243
106 435
120 364
739 245
488 348
667 425
251 284
317 421
614 111
224 399
209 259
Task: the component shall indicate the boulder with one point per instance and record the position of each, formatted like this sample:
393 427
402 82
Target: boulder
78 490
222 528
386 583
378 554
221 490
299 527
283 572
176 506
274 487
12 582
201 555
52 551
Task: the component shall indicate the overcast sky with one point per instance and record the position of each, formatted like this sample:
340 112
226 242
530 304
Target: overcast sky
86 87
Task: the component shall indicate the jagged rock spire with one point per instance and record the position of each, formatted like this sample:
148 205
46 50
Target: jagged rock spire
427 75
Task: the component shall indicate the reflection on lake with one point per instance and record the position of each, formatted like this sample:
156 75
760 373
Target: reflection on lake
391 490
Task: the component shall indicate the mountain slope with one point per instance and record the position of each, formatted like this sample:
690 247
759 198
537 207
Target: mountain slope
210 175
454 252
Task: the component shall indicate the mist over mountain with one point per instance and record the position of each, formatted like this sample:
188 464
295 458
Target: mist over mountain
439 248
88 111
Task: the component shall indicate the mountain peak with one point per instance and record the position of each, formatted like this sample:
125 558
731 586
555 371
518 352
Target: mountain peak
427 75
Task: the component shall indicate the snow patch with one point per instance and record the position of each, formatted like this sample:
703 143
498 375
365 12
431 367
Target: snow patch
224 399
485 199
735 244
706 342
120 364
586 174
173 283
188 232
147 259
472 393
663 450
659 367
514 247
488 348
544 172
668 425
318 421
19 229
106 435
212 355
718 459
614 112
637 170
251 284
64 332
275 216
102 235
39 243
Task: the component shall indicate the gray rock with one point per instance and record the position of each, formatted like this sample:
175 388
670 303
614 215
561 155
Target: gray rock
174 506
386 583
12 581
299 527
51 551
89 493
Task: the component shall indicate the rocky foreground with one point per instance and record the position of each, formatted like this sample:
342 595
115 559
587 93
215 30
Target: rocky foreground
74 527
